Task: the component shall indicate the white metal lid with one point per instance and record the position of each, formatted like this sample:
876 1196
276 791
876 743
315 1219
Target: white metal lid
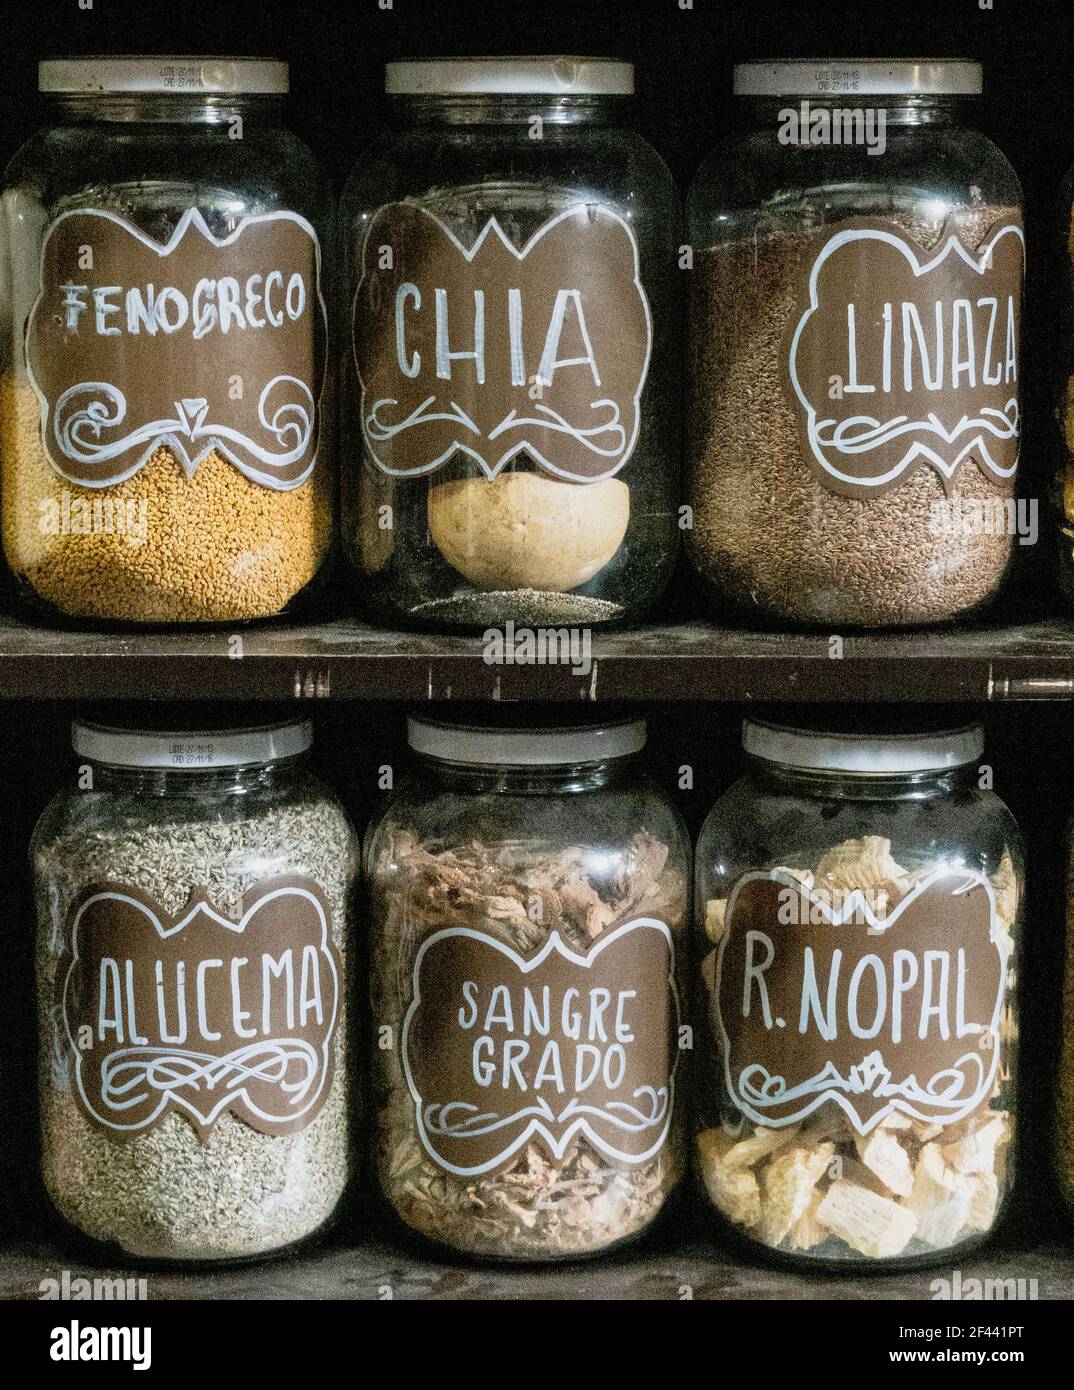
859 77
521 747
190 750
869 753
179 75
555 75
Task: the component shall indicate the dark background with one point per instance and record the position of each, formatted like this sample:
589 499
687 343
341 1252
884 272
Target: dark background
684 59
337 49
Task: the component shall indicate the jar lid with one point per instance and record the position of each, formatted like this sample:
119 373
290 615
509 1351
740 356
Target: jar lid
166 75
859 77
190 750
828 751
555 75
525 747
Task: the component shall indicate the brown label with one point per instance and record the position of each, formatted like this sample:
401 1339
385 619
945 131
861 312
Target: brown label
902 359
492 352
500 1051
832 1004
200 1014
202 344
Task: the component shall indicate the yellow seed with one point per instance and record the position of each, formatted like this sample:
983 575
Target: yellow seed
217 546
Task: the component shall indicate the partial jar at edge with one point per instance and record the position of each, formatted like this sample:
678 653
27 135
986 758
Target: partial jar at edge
853 371
166 417
858 903
510 385
1063 387
192 965
1064 1116
528 897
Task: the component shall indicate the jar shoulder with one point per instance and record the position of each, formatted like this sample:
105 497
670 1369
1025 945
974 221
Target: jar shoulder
754 826
268 167
609 822
752 168
613 162
76 817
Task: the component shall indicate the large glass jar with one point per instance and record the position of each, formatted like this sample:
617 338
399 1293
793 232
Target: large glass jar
529 892
165 427
193 906
1064 1119
510 389
1064 384
858 900
854 371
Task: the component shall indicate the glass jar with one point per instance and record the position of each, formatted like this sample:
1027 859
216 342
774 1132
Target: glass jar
1064 384
165 426
1064 1119
858 899
192 972
529 891
510 394
854 349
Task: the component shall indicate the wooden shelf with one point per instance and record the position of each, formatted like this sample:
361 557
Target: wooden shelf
368 1271
688 661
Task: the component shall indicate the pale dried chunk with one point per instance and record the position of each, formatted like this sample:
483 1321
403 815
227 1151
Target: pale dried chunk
760 1144
734 1190
875 1226
895 1120
807 1231
975 1152
884 1156
715 918
504 909
940 1199
984 1199
788 1183
864 863
854 1171
1005 886
926 1131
